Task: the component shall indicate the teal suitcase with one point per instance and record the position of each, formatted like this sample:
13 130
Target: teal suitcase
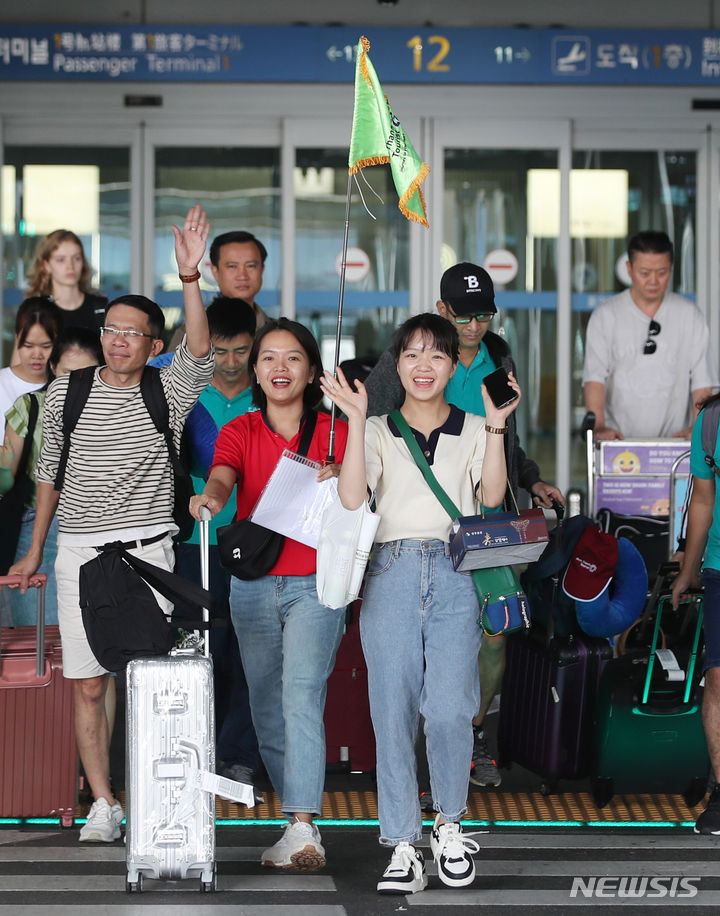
648 727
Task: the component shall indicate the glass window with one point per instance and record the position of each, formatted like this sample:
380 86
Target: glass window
240 189
377 280
84 189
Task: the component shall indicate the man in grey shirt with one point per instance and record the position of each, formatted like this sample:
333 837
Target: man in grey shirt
648 362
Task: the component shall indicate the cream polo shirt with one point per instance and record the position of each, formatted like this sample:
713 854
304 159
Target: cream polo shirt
406 504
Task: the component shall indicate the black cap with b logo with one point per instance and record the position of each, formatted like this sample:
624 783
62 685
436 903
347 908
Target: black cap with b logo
468 289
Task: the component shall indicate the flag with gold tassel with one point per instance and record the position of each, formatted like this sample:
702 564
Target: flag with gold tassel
378 138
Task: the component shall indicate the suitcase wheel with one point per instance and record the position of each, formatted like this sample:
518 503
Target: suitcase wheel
548 788
603 789
209 887
695 792
134 887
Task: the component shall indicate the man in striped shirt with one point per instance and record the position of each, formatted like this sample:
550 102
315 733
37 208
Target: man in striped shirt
118 487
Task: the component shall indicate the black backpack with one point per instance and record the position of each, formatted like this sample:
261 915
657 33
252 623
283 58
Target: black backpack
153 395
542 580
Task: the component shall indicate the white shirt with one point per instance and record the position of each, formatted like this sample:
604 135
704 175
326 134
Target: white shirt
648 395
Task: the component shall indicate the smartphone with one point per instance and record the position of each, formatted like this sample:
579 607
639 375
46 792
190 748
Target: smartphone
501 394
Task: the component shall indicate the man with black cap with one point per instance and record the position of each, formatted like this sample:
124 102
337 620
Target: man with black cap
467 300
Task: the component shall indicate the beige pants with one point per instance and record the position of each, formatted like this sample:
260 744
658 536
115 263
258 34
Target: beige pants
78 659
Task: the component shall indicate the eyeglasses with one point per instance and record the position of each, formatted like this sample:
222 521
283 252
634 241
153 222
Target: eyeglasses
478 316
650 344
114 333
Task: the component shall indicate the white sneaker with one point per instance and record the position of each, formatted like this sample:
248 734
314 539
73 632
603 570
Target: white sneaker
299 847
103 823
406 872
452 851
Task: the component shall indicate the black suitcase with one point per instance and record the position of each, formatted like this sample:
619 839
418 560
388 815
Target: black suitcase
547 704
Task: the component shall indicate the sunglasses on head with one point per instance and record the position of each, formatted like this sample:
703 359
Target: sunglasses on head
650 344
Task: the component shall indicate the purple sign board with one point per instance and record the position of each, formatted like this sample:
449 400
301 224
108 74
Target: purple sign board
634 495
628 457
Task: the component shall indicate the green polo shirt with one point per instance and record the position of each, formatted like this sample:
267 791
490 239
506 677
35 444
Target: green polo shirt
464 389
222 410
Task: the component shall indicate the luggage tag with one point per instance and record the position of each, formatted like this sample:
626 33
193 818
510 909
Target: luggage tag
197 780
238 792
673 671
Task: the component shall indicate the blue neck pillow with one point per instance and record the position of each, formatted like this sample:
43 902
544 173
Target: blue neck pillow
619 606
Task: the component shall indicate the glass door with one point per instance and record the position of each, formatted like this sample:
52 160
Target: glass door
237 181
642 182
495 213
377 284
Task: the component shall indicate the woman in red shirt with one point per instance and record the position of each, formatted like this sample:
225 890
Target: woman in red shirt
287 639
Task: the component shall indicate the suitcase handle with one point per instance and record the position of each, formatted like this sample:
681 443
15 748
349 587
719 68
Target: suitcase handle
37 580
205 516
696 596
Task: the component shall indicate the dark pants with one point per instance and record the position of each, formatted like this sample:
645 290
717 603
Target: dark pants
236 741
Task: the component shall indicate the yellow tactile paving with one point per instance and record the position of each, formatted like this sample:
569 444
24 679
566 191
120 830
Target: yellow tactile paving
487 806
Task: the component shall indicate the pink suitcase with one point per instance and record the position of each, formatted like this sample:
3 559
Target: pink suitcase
38 757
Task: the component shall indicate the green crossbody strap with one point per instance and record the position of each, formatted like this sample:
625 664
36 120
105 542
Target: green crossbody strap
421 461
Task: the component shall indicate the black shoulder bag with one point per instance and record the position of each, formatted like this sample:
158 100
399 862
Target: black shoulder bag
250 551
120 614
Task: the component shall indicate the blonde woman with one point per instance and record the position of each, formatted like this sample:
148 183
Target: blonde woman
61 272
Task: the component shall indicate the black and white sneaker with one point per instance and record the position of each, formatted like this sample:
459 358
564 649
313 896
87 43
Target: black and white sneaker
452 851
709 821
406 872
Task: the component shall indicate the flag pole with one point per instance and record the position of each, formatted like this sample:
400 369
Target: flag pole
333 412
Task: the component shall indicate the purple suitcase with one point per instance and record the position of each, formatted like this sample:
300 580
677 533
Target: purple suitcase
547 704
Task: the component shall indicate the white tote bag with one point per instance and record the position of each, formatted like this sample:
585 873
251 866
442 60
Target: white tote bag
346 537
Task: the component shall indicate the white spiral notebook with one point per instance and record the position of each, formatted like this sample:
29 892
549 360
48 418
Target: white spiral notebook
293 500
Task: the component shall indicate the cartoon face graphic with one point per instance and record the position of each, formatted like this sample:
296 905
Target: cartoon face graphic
626 463
661 507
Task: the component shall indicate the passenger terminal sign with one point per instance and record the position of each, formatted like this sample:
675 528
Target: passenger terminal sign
640 57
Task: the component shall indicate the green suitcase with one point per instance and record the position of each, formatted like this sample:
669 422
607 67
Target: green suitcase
648 728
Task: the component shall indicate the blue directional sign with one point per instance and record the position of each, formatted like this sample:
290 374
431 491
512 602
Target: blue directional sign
639 57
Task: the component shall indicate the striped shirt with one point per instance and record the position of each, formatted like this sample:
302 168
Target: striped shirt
119 477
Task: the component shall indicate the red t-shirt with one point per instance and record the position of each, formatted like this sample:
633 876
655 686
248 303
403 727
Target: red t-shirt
248 446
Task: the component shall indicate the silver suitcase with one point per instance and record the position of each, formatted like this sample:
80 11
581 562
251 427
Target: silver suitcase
170 743
171 781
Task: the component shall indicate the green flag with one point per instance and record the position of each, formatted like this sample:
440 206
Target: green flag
378 137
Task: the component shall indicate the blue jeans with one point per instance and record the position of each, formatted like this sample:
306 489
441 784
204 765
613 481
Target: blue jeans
23 608
420 635
288 643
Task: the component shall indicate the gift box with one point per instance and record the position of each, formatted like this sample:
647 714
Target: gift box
500 539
